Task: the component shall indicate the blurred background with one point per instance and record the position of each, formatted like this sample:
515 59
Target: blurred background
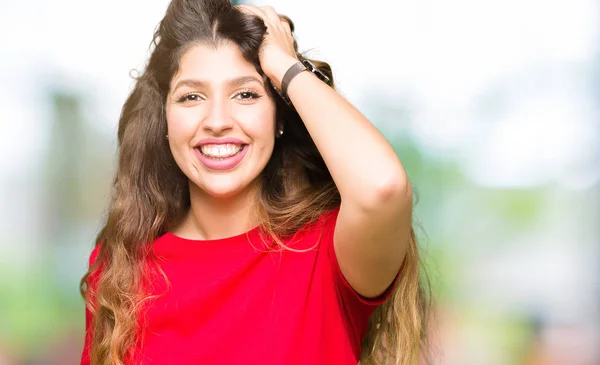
493 106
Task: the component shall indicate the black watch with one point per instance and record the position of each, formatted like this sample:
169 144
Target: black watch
293 71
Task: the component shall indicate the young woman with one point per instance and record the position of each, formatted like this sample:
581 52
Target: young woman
257 216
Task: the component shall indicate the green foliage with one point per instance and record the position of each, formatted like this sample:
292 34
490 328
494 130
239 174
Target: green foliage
35 311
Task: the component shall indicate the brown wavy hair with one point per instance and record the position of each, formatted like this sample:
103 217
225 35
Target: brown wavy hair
151 195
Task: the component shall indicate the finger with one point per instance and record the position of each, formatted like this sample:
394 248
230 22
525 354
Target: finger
286 26
248 9
287 20
260 12
281 22
271 14
252 10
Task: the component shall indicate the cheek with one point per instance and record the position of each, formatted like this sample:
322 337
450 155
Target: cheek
259 125
180 123
181 128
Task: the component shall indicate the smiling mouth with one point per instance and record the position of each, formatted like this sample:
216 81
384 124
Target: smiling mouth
220 151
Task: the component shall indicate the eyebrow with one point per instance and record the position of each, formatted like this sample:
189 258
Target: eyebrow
235 82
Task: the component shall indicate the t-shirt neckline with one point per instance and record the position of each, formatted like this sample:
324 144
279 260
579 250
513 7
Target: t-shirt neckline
253 233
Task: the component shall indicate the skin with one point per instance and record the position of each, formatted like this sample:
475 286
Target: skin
216 94
373 226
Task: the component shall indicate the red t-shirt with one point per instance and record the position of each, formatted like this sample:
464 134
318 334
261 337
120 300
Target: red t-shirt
230 303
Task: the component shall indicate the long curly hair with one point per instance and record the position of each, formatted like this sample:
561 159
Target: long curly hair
151 195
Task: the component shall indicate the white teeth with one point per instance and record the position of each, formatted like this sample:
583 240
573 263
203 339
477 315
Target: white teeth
220 150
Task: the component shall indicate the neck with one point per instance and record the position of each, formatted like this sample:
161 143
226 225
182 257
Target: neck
211 218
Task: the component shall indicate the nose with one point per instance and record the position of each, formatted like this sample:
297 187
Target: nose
219 118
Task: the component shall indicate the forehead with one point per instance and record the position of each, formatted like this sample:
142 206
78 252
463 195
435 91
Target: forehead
212 64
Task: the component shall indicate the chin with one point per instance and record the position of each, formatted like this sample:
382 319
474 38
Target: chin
222 193
223 188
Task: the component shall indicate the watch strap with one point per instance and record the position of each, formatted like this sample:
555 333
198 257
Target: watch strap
292 72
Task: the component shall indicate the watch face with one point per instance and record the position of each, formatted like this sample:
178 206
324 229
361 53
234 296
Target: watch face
312 68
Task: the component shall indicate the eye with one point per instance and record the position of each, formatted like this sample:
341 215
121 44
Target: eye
247 95
191 97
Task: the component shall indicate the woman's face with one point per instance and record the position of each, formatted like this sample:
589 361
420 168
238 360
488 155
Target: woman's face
221 121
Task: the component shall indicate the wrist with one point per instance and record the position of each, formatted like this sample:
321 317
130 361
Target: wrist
292 72
276 73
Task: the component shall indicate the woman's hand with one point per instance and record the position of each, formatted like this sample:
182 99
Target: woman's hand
277 52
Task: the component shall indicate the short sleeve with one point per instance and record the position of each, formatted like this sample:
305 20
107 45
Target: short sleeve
356 308
92 280
85 356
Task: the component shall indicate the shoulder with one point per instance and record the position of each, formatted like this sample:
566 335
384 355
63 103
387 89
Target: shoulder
316 233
